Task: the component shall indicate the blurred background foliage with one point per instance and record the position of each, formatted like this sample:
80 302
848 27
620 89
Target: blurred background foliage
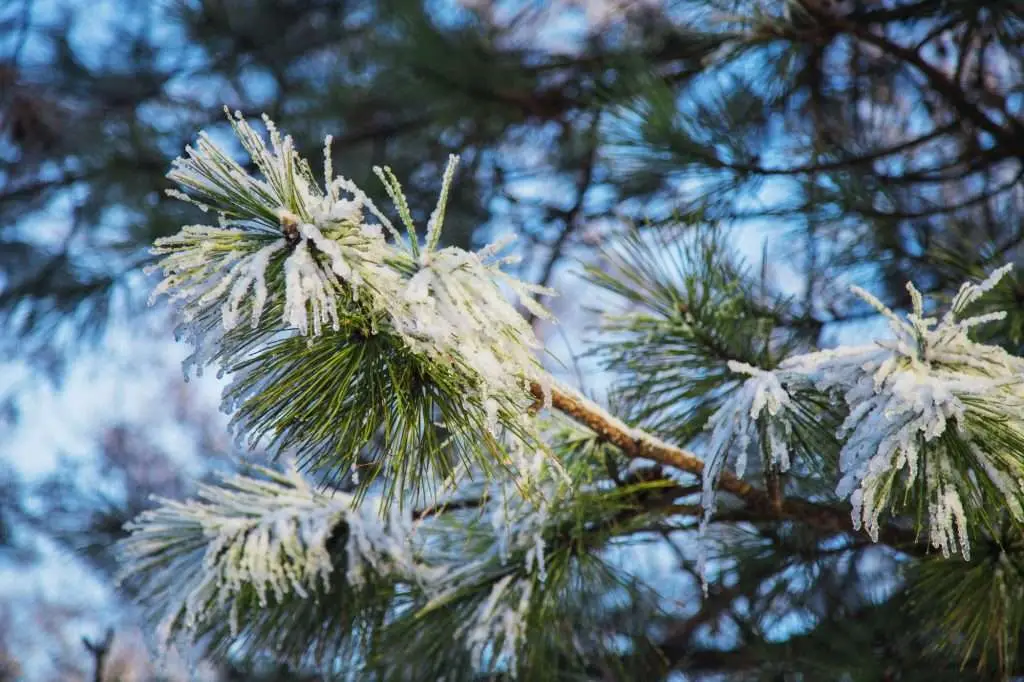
831 141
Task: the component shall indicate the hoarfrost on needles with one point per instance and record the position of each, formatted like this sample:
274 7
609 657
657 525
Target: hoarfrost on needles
918 410
317 257
268 533
924 401
734 426
285 235
500 618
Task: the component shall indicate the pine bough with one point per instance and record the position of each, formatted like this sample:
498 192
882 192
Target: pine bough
299 288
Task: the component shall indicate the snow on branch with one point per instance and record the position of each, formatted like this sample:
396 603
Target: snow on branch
335 257
929 409
273 537
761 399
431 330
270 534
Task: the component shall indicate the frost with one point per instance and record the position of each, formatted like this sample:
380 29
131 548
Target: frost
734 427
924 403
306 286
253 274
500 618
735 424
454 309
519 520
758 406
437 216
267 533
914 404
196 561
521 509
282 236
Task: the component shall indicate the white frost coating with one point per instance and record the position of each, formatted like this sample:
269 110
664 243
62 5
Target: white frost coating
911 400
500 618
270 534
307 286
453 308
437 216
447 304
734 428
760 401
254 275
266 533
202 263
519 519
520 510
914 405
491 407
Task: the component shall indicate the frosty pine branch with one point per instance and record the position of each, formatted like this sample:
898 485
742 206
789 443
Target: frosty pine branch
915 405
425 336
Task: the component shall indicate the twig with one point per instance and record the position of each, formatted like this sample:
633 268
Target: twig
940 83
99 651
571 217
449 506
637 444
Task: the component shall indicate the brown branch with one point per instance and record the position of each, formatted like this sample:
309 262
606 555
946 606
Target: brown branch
35 188
634 444
571 217
383 130
982 198
99 651
637 444
917 11
940 83
964 165
449 506
836 164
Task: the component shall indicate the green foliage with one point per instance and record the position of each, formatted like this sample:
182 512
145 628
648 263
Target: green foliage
353 628
560 644
878 146
686 308
980 615
363 405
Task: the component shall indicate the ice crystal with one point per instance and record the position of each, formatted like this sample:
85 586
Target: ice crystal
194 561
916 404
499 618
522 508
455 309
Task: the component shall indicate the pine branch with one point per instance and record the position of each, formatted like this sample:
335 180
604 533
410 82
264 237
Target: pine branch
940 83
448 506
715 161
980 199
637 444
358 330
275 402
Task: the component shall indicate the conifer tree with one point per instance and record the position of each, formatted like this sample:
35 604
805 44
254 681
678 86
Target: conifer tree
452 518
445 508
